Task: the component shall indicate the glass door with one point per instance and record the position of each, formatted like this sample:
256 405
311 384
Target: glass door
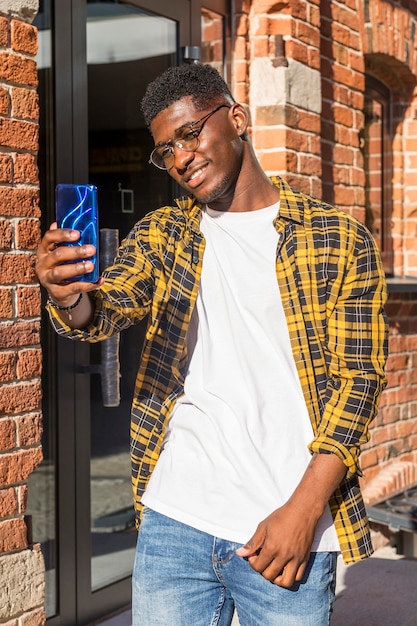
95 60
126 48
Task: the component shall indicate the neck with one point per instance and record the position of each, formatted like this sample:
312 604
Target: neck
252 191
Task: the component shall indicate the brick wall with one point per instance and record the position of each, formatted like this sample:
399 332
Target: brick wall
389 460
21 563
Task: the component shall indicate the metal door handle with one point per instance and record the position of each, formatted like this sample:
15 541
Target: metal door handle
109 368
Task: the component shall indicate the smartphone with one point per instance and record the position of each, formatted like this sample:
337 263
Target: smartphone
76 208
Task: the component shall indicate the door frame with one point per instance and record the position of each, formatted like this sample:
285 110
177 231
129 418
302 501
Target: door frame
69 389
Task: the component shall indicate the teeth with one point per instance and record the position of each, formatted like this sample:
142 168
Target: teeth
197 173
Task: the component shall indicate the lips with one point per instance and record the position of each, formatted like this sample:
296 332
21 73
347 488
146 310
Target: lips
196 177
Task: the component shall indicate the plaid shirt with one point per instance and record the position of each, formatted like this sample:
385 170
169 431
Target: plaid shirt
333 292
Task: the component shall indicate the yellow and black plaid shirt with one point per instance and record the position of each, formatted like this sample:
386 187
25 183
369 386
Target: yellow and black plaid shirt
333 292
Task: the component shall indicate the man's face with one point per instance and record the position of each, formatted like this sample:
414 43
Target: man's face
211 171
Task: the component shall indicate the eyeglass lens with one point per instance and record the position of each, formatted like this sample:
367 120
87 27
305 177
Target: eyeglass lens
186 138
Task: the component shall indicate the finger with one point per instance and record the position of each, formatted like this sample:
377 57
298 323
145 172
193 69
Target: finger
253 546
65 254
61 274
247 551
289 575
300 572
268 564
55 236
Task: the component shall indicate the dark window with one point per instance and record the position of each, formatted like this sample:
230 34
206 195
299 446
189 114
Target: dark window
377 151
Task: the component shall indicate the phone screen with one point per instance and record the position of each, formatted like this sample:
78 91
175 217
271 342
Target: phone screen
76 208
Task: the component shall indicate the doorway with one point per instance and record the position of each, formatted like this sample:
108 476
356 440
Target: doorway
95 60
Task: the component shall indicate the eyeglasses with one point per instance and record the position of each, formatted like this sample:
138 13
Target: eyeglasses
186 138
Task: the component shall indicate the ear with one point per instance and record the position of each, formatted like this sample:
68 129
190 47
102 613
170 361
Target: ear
239 117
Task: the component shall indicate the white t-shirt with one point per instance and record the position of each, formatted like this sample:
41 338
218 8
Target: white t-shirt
236 442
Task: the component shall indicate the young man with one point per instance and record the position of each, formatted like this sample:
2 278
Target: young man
261 370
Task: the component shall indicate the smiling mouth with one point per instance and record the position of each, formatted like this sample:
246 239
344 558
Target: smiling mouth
196 174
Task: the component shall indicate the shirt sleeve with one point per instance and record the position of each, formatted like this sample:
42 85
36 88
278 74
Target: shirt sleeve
123 299
356 346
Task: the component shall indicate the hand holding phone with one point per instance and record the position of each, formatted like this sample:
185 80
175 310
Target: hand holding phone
77 209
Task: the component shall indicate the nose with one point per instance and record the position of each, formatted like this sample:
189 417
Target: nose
182 158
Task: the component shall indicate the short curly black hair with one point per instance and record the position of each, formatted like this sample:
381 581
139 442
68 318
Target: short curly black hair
202 82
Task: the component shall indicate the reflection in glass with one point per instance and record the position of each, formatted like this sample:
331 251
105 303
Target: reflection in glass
377 153
213 39
126 49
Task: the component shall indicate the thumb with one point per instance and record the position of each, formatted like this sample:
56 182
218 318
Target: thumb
251 547
245 551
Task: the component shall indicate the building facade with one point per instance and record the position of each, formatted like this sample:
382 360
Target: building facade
332 96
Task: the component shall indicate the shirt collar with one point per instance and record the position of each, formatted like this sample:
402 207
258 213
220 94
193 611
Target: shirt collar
292 204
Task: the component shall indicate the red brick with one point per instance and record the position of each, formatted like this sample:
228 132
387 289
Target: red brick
307 33
7 434
25 103
22 492
25 169
7 366
310 122
18 202
19 135
28 302
8 502
15 467
6 168
260 27
241 72
28 234
19 334
298 10
278 161
29 430
28 363
297 51
17 268
17 69
267 138
241 25
310 165
314 58
261 47
281 25
4 101
241 92
301 183
24 37
296 140
13 535
343 115
240 49
4 32
6 304
17 398
6 235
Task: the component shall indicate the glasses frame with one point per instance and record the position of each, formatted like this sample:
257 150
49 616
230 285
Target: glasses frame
171 143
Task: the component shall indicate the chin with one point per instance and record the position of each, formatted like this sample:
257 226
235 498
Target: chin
205 197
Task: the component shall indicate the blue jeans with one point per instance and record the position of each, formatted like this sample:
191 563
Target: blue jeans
185 577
